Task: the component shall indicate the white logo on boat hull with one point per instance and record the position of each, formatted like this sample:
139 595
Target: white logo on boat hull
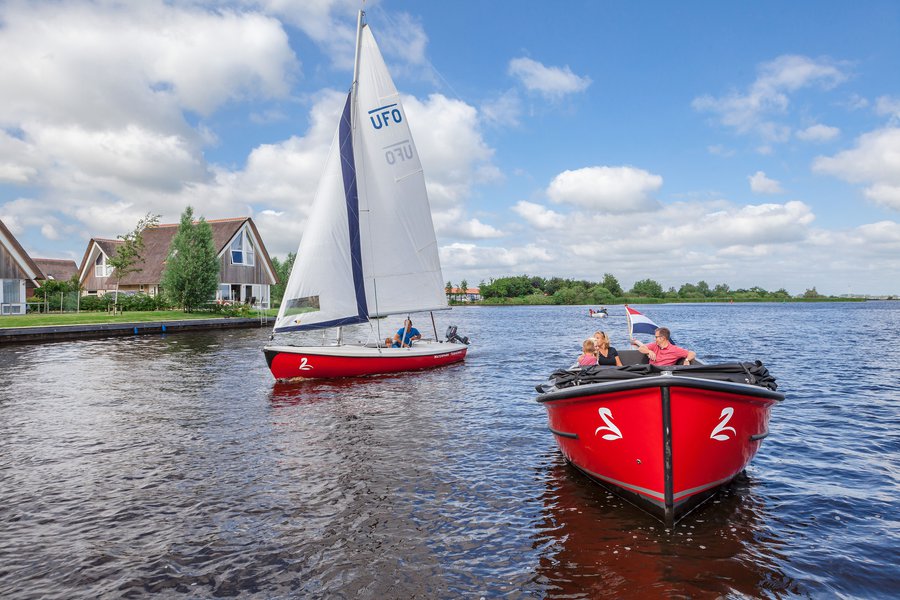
303 366
607 417
717 434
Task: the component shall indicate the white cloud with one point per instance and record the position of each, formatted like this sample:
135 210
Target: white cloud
818 133
453 152
552 82
471 256
607 189
719 150
888 106
761 184
504 110
768 95
768 244
538 216
874 160
884 195
475 229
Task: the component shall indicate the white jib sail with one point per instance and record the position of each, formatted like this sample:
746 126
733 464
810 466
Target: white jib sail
369 247
400 253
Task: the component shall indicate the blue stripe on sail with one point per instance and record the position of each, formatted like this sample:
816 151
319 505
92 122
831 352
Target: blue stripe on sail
348 169
382 108
323 325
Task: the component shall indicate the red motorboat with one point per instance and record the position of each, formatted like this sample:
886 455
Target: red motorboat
664 438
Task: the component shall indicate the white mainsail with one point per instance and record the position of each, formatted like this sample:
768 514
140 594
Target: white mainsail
369 247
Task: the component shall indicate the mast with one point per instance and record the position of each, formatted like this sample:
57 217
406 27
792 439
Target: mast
354 87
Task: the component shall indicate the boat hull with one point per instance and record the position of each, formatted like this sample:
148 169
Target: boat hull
327 362
664 443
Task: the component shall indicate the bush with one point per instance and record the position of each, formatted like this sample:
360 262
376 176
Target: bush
140 302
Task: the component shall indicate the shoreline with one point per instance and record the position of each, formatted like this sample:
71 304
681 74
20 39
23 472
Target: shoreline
53 333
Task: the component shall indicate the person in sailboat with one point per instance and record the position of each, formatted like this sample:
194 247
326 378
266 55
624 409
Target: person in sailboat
663 352
407 334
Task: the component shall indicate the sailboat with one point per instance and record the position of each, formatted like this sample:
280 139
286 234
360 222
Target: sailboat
369 248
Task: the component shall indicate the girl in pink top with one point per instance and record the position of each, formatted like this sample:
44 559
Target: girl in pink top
588 354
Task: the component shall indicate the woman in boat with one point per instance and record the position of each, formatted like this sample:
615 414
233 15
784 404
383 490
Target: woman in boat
588 354
663 352
606 354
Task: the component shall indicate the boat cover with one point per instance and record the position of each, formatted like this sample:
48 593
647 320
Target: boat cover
754 373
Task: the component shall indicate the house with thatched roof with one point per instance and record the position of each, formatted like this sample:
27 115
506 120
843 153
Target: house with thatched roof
57 269
19 275
246 273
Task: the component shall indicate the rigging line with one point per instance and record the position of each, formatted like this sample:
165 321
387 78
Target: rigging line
397 27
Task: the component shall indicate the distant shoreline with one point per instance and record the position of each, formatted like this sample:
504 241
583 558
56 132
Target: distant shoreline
640 301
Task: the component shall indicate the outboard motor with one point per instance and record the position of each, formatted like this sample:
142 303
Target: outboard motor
453 337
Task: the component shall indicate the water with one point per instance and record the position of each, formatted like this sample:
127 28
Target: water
175 465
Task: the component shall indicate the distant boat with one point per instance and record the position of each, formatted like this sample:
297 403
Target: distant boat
369 248
601 313
664 438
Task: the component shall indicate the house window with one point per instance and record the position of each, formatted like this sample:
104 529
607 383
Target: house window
101 269
242 252
224 292
11 293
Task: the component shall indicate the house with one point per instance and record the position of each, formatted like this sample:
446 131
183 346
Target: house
19 275
465 295
57 269
245 269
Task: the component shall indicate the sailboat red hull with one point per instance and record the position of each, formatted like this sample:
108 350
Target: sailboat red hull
352 361
664 443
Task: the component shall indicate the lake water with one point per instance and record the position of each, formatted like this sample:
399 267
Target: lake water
176 465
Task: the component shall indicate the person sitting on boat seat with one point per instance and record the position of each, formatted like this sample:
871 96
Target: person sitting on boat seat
606 354
407 334
392 342
663 352
588 354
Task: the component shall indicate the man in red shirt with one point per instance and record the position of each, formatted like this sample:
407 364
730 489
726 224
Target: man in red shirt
663 352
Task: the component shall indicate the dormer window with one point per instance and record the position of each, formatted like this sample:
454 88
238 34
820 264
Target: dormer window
242 252
101 269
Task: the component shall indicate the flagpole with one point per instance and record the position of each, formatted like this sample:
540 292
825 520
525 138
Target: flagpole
628 318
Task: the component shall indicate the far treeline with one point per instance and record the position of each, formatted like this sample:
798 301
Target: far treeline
523 289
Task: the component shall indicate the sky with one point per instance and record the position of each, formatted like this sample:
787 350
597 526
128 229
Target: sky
744 143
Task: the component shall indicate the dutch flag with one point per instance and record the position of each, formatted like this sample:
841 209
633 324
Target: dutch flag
638 323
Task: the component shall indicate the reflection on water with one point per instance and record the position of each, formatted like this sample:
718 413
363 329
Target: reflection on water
603 548
176 465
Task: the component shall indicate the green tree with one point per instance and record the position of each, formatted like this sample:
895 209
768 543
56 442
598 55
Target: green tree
689 290
463 286
721 290
448 289
283 272
811 293
648 288
600 295
128 254
192 269
612 284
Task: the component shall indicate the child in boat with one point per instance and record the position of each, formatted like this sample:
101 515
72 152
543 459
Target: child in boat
588 354
392 342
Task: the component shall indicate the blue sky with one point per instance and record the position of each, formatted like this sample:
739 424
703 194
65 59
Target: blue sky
740 143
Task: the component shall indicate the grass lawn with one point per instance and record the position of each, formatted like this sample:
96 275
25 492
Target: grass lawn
85 318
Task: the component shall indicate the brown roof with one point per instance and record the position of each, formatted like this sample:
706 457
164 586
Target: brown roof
18 247
57 268
158 239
